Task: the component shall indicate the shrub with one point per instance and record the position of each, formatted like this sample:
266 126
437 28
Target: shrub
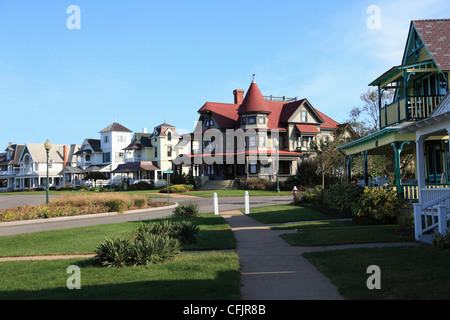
340 197
190 210
378 206
141 185
442 241
153 248
406 224
117 205
178 188
139 202
184 231
114 252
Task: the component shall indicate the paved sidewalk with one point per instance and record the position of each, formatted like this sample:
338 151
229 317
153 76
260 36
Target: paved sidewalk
271 269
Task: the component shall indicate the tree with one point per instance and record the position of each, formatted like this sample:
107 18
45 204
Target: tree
328 157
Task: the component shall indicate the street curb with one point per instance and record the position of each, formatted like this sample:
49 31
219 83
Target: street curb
85 216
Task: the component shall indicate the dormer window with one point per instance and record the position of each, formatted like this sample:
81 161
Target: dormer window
304 116
169 136
261 120
251 120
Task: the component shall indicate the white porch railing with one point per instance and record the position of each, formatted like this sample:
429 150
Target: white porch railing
433 211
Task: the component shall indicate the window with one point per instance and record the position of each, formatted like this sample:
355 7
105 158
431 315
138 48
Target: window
253 168
169 152
262 141
169 136
87 158
304 116
261 120
156 152
119 156
106 157
307 141
105 139
251 120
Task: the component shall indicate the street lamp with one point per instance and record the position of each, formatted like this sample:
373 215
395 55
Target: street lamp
277 161
47 146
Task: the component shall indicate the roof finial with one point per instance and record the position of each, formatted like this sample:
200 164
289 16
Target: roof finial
253 81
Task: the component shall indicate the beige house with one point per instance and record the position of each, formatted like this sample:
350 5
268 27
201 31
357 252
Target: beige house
151 155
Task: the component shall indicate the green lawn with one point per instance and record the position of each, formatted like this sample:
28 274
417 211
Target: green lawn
343 232
214 234
285 213
407 273
189 276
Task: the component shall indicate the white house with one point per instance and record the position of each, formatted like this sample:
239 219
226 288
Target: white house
32 165
431 214
104 155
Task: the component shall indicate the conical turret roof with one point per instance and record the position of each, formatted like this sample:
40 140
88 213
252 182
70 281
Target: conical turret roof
254 101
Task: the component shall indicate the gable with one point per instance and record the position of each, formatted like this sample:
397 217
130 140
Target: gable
428 39
305 109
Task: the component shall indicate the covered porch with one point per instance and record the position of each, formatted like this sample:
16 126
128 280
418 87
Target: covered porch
134 172
432 211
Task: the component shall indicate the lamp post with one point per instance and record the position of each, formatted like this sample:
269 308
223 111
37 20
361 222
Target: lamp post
47 146
277 162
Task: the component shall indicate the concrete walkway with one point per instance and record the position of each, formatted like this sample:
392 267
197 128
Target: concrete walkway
271 269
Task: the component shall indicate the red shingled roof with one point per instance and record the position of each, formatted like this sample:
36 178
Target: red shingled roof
279 112
307 128
435 34
253 101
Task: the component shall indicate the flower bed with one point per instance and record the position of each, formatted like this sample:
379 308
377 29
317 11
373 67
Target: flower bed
75 205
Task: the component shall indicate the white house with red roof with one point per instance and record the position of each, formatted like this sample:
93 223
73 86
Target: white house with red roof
256 132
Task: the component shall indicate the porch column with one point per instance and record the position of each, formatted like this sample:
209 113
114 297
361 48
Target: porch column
398 147
366 174
349 168
420 165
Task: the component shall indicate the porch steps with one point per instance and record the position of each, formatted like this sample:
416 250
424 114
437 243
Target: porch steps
426 238
219 185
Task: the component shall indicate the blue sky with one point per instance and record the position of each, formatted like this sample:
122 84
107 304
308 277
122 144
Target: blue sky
146 62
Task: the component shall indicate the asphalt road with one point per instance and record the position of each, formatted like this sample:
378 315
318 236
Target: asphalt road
204 204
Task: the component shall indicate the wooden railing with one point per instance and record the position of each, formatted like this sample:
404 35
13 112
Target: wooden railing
416 108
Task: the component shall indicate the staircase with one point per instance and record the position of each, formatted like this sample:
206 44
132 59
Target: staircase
219 185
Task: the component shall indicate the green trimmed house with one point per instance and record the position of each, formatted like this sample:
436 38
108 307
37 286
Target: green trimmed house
420 84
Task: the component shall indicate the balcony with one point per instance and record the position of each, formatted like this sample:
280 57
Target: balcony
412 108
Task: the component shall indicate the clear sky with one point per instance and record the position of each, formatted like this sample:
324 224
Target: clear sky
146 62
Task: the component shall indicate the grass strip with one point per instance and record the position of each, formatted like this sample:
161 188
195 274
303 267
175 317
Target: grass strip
209 275
406 273
214 234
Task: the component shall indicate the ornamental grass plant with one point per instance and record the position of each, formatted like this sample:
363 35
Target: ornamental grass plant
75 205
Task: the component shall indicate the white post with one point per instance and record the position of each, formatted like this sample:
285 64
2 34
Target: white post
420 166
215 204
417 220
442 213
247 203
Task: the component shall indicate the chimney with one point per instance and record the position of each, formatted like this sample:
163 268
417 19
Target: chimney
238 96
9 144
65 156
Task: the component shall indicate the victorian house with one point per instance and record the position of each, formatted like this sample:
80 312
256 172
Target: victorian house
150 155
256 136
419 83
